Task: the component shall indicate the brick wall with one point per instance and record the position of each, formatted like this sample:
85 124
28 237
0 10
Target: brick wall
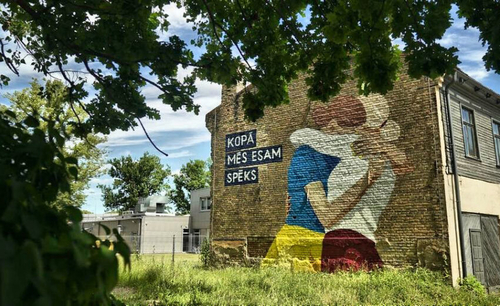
358 181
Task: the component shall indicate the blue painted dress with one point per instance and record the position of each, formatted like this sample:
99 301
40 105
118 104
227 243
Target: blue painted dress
307 166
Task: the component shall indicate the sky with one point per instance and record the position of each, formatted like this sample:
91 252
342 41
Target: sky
184 136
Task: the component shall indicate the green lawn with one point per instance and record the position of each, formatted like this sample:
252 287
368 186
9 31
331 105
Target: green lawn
153 281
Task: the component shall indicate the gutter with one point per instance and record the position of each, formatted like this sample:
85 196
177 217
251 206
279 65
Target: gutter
212 189
455 175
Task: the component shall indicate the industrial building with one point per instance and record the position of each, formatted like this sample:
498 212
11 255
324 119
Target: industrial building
150 228
199 225
410 178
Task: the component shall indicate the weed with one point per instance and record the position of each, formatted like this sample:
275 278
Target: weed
205 253
471 284
150 280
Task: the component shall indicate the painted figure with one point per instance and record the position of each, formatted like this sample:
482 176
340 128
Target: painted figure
340 180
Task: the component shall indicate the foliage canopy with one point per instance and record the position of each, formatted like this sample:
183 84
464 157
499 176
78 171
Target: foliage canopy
50 102
46 258
116 46
133 179
195 174
265 43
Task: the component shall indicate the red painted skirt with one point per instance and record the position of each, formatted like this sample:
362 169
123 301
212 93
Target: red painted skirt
345 249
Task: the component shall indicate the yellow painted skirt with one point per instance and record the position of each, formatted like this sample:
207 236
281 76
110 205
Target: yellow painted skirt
297 247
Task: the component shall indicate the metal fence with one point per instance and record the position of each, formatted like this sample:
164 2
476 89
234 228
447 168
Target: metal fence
187 243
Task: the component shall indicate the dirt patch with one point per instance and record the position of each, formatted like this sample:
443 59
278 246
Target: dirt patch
123 291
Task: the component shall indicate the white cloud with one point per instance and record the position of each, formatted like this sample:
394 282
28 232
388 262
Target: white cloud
399 42
176 17
93 192
477 72
104 180
184 153
125 153
178 24
208 97
186 142
473 55
449 39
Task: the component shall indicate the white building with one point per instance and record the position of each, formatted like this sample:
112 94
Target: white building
148 229
199 226
151 228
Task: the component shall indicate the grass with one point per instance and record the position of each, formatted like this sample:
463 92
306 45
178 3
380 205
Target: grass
152 281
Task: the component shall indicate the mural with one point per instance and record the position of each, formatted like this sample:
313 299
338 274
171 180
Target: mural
340 180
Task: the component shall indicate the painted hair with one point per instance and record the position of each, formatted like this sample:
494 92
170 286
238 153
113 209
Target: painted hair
347 111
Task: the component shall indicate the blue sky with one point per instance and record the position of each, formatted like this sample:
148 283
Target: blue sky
184 136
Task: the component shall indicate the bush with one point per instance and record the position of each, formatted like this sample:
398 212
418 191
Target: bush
45 258
206 253
473 285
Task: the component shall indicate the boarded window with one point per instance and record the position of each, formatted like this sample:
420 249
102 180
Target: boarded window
491 249
477 256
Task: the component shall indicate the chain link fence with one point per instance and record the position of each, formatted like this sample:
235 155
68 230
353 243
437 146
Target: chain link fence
187 243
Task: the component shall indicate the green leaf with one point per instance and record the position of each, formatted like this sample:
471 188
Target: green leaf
31 121
74 172
4 79
71 160
106 229
74 214
10 114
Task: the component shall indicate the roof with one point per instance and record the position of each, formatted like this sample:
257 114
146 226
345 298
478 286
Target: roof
114 217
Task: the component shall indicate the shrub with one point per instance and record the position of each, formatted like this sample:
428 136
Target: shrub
205 253
473 285
45 258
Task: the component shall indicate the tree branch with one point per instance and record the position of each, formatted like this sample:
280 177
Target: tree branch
27 8
294 34
150 140
7 60
214 23
416 24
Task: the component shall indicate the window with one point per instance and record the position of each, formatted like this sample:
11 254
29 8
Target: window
469 130
160 208
196 240
185 240
205 204
496 138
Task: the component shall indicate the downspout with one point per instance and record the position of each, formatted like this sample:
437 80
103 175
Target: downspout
213 177
455 175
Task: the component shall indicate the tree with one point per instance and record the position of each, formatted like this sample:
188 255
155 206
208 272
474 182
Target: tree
265 43
46 258
50 102
193 175
133 179
117 44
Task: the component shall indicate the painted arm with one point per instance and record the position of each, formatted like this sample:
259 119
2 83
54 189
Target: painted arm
317 197
330 213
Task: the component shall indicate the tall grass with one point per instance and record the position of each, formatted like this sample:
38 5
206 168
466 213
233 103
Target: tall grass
153 281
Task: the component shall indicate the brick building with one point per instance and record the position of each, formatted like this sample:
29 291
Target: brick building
361 181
